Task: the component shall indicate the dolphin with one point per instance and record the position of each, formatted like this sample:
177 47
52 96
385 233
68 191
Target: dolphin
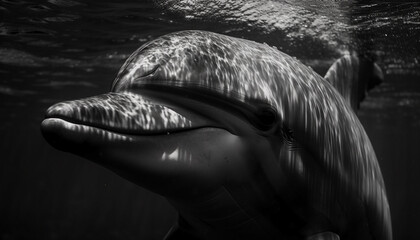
243 140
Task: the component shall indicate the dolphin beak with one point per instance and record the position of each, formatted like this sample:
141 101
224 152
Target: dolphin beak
114 117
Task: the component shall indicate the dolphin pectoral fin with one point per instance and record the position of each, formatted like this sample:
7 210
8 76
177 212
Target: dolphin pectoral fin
353 77
324 236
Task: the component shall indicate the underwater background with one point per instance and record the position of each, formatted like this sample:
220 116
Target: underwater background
55 50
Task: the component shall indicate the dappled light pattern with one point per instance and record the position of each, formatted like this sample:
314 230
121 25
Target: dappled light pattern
318 116
99 133
177 155
121 112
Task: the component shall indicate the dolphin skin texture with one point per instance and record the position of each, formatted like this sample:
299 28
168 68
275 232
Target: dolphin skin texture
243 140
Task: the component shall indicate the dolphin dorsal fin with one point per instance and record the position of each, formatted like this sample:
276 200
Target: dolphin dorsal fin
353 77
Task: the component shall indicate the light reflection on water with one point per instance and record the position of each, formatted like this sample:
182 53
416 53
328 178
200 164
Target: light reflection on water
57 50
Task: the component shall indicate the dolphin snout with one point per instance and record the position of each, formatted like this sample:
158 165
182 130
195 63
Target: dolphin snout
125 113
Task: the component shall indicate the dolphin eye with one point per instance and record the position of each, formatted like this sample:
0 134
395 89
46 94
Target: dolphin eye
266 118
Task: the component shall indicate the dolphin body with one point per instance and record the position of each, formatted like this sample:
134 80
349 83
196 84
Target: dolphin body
243 140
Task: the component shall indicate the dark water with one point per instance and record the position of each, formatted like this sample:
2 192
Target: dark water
64 49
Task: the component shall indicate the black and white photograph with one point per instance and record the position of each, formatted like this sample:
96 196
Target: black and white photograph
209 120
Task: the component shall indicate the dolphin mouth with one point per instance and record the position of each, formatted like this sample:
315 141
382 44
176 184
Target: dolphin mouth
118 116
63 134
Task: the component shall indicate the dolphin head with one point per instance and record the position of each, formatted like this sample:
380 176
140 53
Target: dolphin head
197 116
174 98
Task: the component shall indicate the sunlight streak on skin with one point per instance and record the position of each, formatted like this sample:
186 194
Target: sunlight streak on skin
178 155
88 130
